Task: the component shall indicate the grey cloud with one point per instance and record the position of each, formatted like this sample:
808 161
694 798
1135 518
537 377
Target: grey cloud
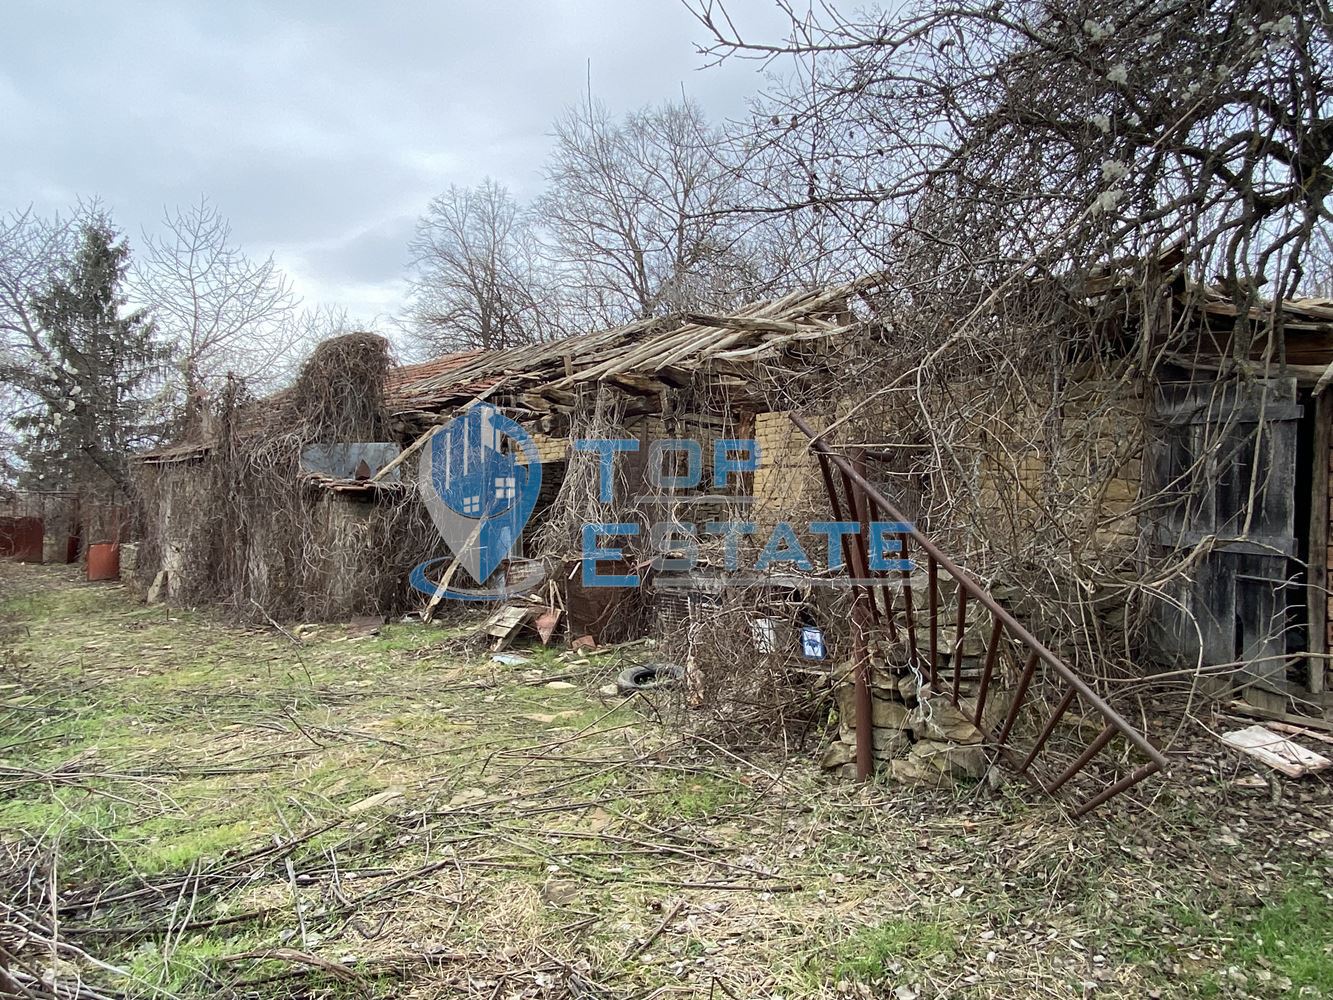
320 128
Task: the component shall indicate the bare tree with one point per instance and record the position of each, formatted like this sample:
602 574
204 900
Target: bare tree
32 252
631 212
1026 170
1319 276
985 139
476 279
226 312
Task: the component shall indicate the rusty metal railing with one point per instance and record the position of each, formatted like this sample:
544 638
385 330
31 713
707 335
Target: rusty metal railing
858 497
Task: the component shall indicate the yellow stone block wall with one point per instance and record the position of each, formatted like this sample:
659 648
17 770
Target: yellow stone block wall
1070 477
1082 496
549 449
787 485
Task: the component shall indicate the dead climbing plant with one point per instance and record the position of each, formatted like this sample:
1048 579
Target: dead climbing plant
257 534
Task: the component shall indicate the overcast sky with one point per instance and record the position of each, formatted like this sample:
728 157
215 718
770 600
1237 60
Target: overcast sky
323 130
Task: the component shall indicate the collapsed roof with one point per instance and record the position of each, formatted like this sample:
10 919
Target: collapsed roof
796 333
645 358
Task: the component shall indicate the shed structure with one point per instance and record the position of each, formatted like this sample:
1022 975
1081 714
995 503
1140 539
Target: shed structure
698 376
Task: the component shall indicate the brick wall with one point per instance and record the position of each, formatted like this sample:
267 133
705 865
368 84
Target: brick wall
549 449
787 485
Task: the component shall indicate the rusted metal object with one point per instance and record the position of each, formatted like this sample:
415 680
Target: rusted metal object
865 746
40 525
861 501
104 561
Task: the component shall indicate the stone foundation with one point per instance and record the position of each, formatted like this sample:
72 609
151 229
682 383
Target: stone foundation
919 737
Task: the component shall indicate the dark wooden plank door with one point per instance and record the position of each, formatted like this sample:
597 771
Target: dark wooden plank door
1223 457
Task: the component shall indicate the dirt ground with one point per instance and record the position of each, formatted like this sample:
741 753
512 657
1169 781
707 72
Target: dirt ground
194 809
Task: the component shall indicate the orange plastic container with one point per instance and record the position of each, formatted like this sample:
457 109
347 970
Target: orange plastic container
104 561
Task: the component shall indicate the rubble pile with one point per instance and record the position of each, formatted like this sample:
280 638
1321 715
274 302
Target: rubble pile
919 736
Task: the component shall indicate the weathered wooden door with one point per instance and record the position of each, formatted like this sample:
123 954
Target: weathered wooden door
1224 460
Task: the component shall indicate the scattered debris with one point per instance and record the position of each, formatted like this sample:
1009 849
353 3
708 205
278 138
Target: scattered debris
1287 718
546 624
523 834
647 676
507 623
1250 781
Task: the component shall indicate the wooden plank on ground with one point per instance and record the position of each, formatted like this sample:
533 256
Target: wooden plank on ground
1301 731
1276 751
1258 712
506 623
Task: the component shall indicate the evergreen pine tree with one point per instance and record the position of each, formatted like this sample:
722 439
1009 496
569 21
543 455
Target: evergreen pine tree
103 365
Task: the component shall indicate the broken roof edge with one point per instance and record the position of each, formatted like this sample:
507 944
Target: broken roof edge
647 347
615 355
1202 296
181 451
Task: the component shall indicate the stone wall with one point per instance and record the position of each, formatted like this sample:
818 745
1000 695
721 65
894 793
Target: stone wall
1072 472
919 736
180 538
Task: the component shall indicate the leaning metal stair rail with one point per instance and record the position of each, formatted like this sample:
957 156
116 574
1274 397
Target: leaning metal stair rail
858 497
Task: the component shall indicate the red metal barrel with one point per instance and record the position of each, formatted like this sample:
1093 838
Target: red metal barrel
104 561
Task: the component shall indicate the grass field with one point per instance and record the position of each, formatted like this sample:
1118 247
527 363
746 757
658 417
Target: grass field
195 809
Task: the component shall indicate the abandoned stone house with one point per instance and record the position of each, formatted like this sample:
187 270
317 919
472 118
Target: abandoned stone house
1255 527
1190 490
1229 484
1228 475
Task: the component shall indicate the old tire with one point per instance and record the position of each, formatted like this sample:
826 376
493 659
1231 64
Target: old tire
647 676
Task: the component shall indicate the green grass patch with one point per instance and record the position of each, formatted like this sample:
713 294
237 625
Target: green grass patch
189 967
171 844
869 953
1287 940
398 638
1292 938
686 796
